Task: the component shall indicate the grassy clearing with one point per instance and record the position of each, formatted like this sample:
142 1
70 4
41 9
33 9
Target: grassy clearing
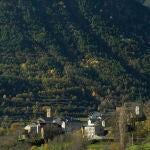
138 147
115 146
96 146
104 145
57 146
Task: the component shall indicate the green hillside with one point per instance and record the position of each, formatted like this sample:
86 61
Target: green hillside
73 54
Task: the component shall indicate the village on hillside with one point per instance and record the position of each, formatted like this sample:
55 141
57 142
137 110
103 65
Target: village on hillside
98 126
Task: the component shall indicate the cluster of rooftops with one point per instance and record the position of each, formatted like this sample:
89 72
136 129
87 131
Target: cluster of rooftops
93 128
95 124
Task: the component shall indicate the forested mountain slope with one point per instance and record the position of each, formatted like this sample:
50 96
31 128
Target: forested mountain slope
87 52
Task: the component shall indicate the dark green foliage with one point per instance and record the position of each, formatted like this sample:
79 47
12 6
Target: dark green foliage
65 50
52 130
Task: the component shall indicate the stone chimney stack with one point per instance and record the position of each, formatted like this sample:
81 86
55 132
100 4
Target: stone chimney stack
49 112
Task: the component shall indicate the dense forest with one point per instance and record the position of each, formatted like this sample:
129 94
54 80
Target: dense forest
73 55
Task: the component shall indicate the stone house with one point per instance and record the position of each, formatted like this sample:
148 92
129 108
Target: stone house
94 129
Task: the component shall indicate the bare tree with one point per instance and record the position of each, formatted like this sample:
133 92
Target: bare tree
122 127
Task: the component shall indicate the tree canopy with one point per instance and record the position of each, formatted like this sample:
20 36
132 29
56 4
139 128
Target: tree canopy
63 51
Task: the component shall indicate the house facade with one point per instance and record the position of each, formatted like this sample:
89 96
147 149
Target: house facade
94 129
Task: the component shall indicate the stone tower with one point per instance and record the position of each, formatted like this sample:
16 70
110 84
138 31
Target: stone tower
49 112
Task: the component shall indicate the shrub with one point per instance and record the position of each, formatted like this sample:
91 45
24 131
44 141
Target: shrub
2 131
34 148
114 146
14 126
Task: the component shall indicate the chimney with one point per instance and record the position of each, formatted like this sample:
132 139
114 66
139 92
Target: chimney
49 113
